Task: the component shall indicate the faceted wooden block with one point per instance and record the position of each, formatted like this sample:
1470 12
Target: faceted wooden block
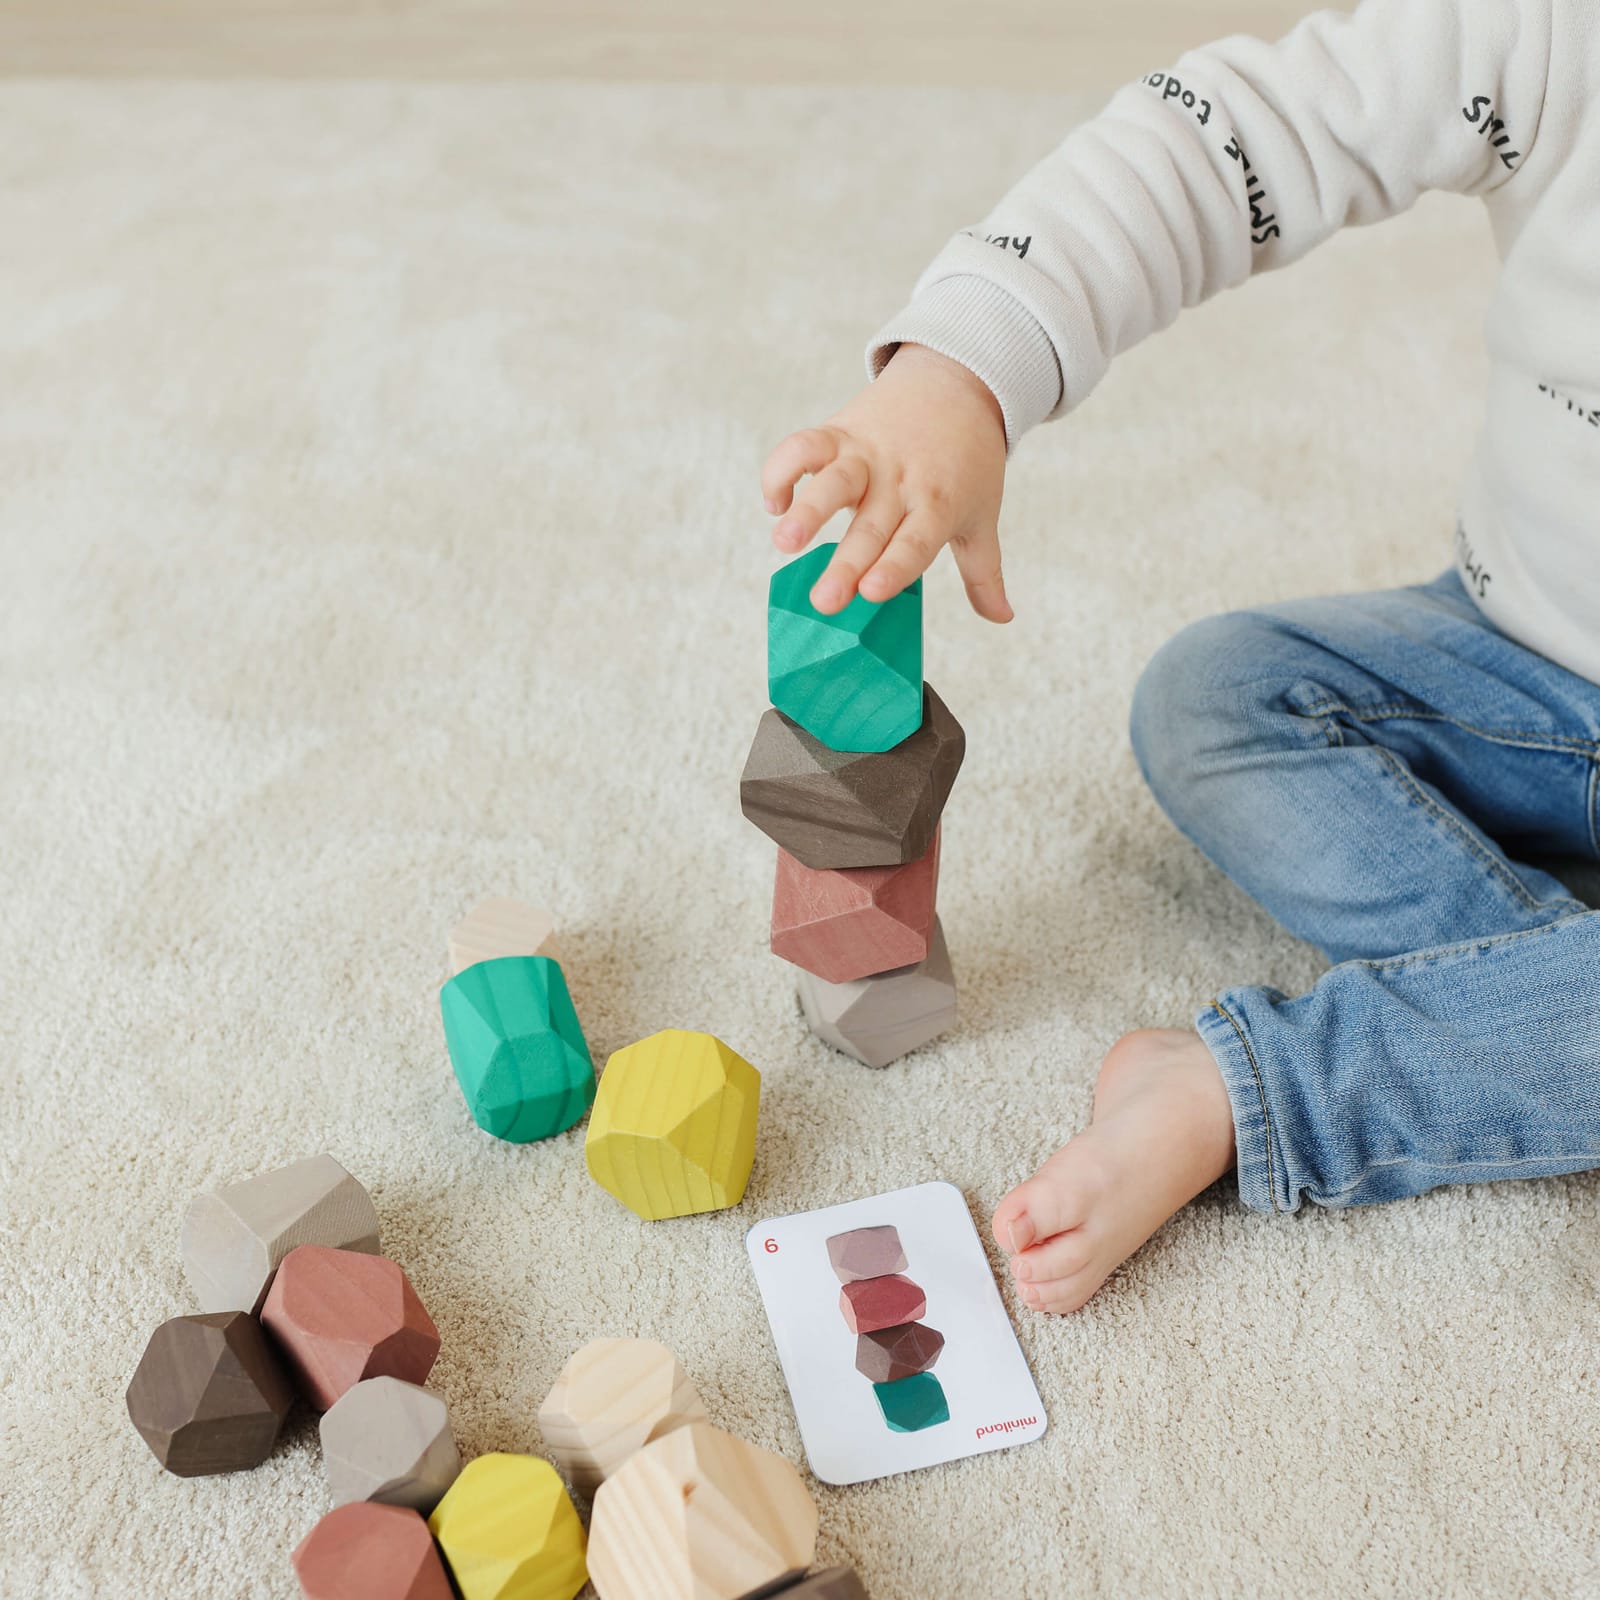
886 1355
852 680
340 1316
831 809
209 1395
852 923
700 1515
234 1237
509 1531
501 927
367 1551
872 1303
612 1398
837 1583
866 1253
517 1047
912 1404
388 1440
877 1020
674 1125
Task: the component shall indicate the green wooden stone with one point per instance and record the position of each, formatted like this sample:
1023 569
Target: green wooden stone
911 1404
853 681
517 1047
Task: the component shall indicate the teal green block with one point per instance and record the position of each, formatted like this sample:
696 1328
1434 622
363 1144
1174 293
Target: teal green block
517 1047
911 1404
853 681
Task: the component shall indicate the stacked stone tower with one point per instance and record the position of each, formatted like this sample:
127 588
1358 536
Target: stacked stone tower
848 776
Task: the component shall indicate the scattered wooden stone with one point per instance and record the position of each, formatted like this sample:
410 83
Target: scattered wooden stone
872 1303
612 1398
877 1020
837 1583
866 1253
234 1237
886 1355
509 1531
852 680
833 809
674 1125
517 1047
209 1395
501 927
844 925
340 1316
700 1515
367 1551
387 1440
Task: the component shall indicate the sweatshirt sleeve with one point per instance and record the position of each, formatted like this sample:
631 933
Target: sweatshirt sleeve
1240 159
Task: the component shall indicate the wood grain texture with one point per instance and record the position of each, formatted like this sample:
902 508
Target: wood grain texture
614 1397
388 1440
831 809
377 1552
844 925
509 1531
1013 44
674 1125
340 1316
700 1515
877 1020
234 1237
209 1394
502 927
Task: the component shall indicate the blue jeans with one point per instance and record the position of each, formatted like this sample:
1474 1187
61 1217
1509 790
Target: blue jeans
1377 770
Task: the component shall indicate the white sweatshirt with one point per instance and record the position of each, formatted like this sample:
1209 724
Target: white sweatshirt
1243 157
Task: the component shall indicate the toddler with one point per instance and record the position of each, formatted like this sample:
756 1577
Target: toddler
1377 770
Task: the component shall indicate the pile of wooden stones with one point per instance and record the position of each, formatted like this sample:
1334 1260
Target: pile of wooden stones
673 1126
848 776
298 1303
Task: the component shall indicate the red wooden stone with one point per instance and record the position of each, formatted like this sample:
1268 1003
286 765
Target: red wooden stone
854 922
341 1315
873 1303
370 1551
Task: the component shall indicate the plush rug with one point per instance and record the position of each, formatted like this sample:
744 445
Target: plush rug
379 529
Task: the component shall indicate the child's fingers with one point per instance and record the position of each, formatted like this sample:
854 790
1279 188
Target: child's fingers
808 451
831 490
869 531
910 553
978 561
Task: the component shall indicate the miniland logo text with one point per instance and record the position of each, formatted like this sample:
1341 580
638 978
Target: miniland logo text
1007 1427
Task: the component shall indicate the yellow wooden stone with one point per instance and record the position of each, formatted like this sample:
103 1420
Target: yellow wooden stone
612 1398
673 1130
509 1531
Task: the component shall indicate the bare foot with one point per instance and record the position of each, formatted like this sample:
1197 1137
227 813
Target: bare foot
1162 1132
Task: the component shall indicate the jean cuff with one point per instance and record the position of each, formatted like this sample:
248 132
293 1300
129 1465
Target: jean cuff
1223 1033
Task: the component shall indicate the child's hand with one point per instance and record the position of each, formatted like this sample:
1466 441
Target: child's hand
920 457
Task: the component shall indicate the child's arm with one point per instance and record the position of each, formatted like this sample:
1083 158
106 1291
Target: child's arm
1240 159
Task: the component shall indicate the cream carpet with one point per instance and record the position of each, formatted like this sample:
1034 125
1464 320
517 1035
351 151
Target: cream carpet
379 529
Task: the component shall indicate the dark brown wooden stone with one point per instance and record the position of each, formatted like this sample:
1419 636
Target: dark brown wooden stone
837 1583
834 809
886 1355
209 1395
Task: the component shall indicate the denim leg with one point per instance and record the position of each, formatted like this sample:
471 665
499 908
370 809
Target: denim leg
1465 1064
1363 766
1370 769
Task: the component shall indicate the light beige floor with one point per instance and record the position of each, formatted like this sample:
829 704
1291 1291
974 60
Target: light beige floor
1021 44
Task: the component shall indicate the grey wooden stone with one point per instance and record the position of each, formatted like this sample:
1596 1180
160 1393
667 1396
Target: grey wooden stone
879 1019
837 1583
388 1440
833 809
234 1237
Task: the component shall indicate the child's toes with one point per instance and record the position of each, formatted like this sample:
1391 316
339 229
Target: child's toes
1065 1295
1064 1256
1050 1202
